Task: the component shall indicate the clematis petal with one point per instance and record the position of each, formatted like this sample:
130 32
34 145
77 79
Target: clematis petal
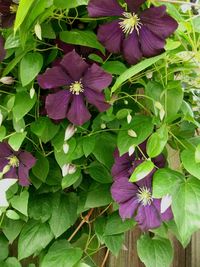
122 165
158 22
111 36
12 173
151 44
148 217
78 114
96 99
96 78
128 208
23 174
3 163
7 21
53 77
57 104
27 159
74 65
2 49
101 8
165 216
5 150
131 48
5 6
159 161
122 190
133 5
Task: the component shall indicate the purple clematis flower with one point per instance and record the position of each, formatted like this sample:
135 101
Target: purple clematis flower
8 9
135 199
15 164
79 81
134 33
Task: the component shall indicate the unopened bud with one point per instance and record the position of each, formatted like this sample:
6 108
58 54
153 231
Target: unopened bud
38 31
1 117
65 170
149 74
129 118
132 133
72 169
65 148
103 126
165 203
125 102
7 80
69 132
32 93
131 150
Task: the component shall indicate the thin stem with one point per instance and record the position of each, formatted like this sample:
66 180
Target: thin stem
105 258
84 220
179 2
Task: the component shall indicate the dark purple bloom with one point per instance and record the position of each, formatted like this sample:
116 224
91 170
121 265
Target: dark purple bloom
15 164
135 199
8 10
135 34
79 81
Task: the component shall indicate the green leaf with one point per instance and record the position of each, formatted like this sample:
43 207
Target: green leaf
33 238
40 207
114 67
11 214
141 125
197 154
11 229
134 70
174 98
2 132
4 247
19 110
85 38
189 162
99 173
157 142
141 171
22 11
12 262
62 255
64 213
115 225
44 128
69 3
16 140
98 195
20 202
166 181
33 63
89 144
185 207
114 243
70 179
41 168
102 153
155 252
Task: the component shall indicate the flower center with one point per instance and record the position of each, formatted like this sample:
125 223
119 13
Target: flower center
144 196
13 161
76 88
130 22
13 8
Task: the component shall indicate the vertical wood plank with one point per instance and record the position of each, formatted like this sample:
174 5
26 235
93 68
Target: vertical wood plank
128 255
179 254
195 250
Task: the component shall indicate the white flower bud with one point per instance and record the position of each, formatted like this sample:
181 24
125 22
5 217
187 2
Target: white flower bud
72 169
129 118
32 93
65 148
38 31
125 102
69 132
132 133
7 80
103 126
65 169
149 74
131 150
1 117
165 203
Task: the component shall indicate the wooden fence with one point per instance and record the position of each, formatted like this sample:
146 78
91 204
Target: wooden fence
189 257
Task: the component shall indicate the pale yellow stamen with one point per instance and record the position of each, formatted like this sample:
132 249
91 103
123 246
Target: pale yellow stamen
13 8
130 22
13 161
144 196
76 88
